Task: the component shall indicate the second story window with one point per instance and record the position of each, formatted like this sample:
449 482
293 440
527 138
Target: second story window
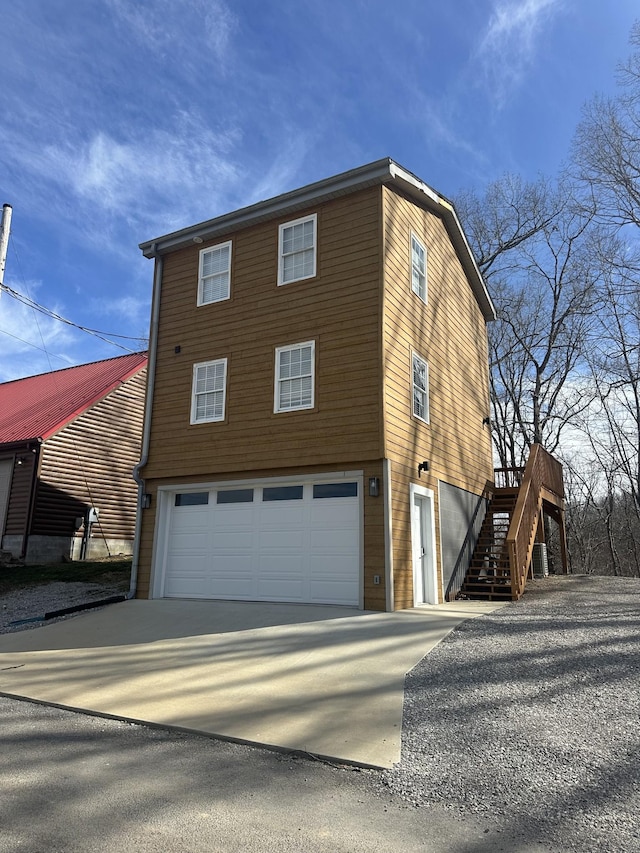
420 371
208 391
418 268
295 369
214 278
297 250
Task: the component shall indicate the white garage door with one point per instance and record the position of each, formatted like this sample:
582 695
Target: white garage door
295 542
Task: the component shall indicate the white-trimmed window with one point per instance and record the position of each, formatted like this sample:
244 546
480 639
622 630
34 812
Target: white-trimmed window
418 268
295 377
214 276
420 383
297 249
209 391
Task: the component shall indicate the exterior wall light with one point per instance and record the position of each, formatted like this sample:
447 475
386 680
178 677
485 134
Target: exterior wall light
374 487
423 466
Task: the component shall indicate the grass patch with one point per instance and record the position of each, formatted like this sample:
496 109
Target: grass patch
113 573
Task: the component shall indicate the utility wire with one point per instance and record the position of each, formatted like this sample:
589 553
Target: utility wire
29 343
104 336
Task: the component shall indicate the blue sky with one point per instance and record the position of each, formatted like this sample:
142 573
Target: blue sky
123 120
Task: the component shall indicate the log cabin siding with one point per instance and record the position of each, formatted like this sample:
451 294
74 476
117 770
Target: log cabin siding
449 332
338 309
89 462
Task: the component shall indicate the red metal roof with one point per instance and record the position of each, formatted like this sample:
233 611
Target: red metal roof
38 406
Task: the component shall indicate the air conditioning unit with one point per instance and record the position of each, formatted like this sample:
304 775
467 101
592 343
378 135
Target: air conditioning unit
539 560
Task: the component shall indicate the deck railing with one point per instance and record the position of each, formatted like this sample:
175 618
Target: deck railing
508 478
543 474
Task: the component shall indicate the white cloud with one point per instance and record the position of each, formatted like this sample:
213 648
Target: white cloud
150 180
508 46
158 23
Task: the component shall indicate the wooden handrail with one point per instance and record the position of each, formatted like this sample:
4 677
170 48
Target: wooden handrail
542 474
508 478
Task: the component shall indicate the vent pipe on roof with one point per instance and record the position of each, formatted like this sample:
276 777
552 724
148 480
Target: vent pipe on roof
4 238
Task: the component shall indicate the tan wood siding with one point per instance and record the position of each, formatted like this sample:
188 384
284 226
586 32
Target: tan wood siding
449 332
338 309
89 463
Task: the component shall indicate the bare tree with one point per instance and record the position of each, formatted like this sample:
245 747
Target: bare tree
533 246
606 150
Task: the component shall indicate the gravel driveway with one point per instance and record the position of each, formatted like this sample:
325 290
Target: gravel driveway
527 720
530 717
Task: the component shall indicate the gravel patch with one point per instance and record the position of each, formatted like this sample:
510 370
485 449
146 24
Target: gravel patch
19 608
529 718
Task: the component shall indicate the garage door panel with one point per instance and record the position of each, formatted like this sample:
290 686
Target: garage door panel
328 592
333 542
187 576
279 565
232 586
281 590
281 540
282 513
335 513
188 517
233 516
187 542
232 542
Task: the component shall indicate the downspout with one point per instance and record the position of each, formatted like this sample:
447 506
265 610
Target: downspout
388 534
146 431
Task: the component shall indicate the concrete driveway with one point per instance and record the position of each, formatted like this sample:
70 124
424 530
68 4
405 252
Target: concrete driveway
323 680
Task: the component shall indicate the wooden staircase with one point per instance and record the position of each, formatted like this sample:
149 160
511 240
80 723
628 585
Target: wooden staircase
501 561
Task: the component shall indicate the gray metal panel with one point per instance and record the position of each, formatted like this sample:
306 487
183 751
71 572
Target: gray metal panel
459 530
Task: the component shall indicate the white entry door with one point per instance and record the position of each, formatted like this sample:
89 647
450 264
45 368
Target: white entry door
425 582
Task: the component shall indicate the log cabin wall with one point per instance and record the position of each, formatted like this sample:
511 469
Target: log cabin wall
89 462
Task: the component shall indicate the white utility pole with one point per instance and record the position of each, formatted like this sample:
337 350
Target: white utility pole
4 239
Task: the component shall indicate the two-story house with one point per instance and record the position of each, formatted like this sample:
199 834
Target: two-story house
316 426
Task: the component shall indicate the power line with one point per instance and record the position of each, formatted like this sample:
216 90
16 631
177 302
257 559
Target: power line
30 344
104 336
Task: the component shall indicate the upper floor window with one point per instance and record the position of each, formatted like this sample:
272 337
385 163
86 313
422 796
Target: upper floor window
297 250
295 369
420 371
214 277
209 390
418 268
